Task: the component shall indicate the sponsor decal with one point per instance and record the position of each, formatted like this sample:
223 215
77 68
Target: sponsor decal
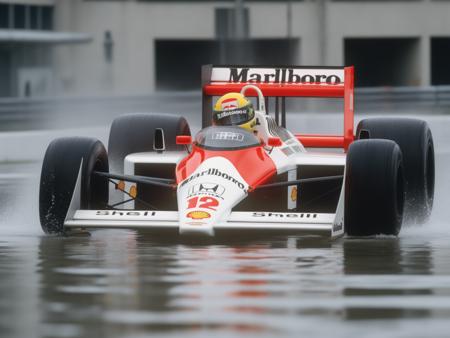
213 172
294 193
228 136
283 215
337 227
231 113
212 189
205 202
229 104
198 214
125 213
283 75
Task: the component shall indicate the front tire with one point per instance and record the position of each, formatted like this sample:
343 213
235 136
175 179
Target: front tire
59 175
374 188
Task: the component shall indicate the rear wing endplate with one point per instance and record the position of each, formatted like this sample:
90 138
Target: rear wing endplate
282 82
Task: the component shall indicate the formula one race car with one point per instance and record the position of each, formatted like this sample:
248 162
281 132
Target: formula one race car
229 179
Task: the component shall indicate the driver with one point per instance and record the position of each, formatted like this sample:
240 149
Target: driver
234 109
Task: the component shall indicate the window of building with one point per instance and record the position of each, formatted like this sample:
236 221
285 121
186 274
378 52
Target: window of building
178 62
47 17
4 16
440 54
19 16
384 61
34 17
5 72
26 17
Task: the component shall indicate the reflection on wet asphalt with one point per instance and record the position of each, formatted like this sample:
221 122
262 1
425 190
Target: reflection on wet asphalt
130 284
123 283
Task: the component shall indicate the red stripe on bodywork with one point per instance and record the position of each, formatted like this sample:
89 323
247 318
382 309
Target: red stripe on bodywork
254 165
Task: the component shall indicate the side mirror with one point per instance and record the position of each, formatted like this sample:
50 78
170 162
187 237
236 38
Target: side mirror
184 139
274 142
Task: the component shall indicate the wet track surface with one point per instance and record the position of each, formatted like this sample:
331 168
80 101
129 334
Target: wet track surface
131 284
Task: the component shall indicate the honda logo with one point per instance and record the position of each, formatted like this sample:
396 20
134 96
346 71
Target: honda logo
207 188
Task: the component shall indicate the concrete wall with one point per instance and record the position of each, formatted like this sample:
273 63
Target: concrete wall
134 27
321 27
414 19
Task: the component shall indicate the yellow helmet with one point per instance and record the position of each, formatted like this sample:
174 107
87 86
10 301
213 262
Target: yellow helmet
234 109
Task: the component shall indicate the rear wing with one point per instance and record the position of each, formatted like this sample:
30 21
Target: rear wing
282 82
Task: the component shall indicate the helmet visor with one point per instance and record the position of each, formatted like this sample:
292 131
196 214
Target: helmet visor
233 117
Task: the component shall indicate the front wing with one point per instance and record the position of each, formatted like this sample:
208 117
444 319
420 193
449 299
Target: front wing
163 220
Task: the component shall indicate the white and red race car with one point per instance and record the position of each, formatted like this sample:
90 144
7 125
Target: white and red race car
228 179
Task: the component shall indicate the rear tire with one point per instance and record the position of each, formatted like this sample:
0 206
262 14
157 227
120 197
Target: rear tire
59 175
134 133
374 188
416 143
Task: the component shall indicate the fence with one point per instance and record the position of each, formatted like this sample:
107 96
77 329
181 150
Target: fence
17 112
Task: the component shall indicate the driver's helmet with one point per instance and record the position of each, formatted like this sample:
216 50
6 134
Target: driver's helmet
234 109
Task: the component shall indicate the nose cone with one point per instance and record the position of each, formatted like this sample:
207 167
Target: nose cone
207 196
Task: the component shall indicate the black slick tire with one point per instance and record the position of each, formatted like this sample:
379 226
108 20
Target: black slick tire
374 188
134 133
416 143
59 175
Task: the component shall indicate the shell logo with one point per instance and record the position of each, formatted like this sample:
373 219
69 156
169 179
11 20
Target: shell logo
198 215
294 193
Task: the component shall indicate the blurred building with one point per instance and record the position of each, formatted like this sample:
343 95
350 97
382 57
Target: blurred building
27 40
128 47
